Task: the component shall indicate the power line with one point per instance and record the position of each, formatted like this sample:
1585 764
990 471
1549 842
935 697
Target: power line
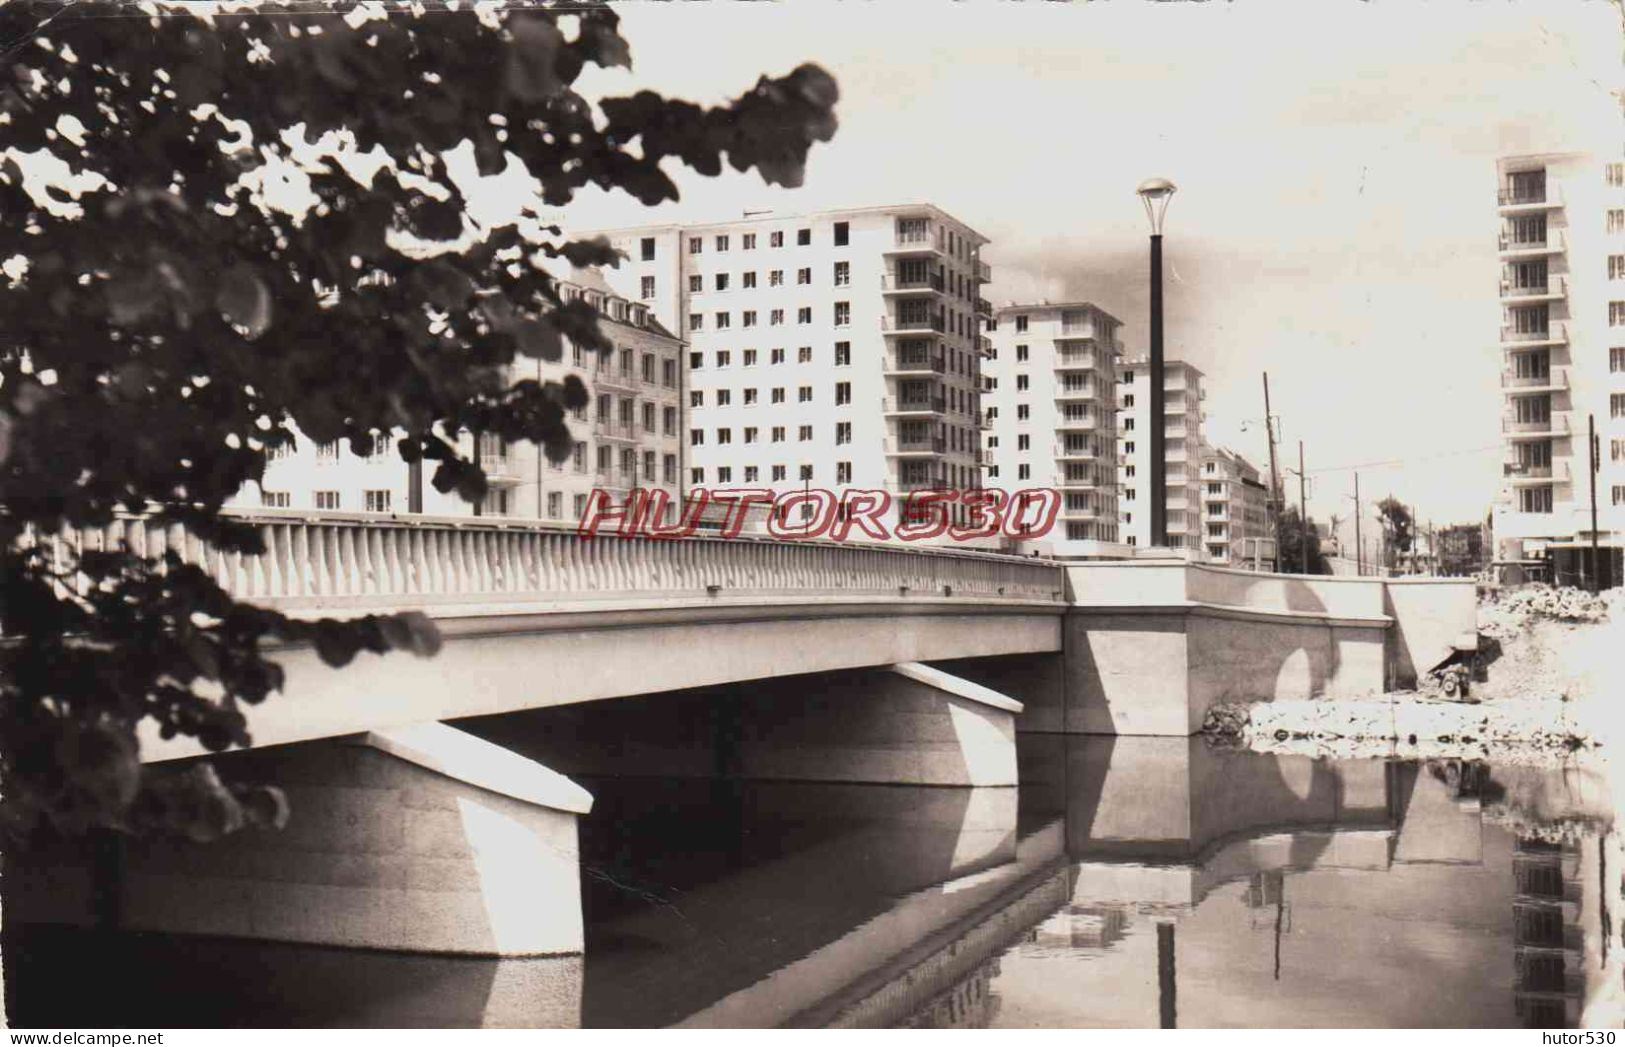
1407 461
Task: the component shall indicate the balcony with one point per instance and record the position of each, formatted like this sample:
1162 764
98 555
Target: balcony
1079 453
1088 424
1077 483
984 308
1528 201
1075 361
983 422
912 324
612 379
911 283
1175 432
984 272
1177 505
1554 334
1556 380
916 365
917 241
1520 473
615 430
906 484
1554 289
916 405
898 446
1071 393
1555 243
1555 426
985 345
1083 513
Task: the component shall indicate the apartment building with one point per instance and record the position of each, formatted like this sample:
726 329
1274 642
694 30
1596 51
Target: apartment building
630 435
1562 341
1052 417
831 350
1182 453
1236 528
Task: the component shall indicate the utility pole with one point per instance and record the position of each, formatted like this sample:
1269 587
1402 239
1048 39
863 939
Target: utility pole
1275 476
1359 550
1303 507
1593 446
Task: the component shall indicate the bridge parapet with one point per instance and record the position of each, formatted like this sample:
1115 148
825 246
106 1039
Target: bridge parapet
334 561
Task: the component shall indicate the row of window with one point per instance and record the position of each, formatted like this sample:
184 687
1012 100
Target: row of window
840 235
373 501
776 395
841 277
750 474
722 320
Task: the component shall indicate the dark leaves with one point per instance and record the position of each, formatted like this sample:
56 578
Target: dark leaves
531 72
244 301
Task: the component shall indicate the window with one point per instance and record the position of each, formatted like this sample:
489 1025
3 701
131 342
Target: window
1616 314
843 273
749 358
777 395
804 394
804 355
778 472
1616 405
274 499
1616 219
696 283
843 472
843 432
1215 488
648 253
804 315
750 434
695 245
1021 353
843 393
777 356
648 287
775 239
1535 499
377 501
775 278
495 503
750 397
778 438
1614 174
748 319
722 242
555 504
1128 471
1021 383
696 437
724 396
696 321
1128 448
1021 412
724 357
1616 359
748 280
1616 266
1619 494
668 373
1616 450
747 242
776 317
649 367
804 433
725 435
803 237
578 457
803 276
843 354
751 474
843 314
722 320
327 451
1024 472
721 281
696 361
842 233
806 472
1021 323
668 421
1128 425
1023 442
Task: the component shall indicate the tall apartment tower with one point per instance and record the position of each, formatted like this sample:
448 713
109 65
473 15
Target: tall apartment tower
1235 511
1182 452
1562 292
1052 417
629 436
831 350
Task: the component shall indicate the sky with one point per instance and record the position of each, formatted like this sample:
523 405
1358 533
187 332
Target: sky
1335 218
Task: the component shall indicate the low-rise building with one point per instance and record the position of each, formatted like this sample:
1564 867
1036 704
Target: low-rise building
1236 528
1182 453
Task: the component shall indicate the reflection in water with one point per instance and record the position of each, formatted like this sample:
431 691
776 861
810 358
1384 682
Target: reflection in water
1129 882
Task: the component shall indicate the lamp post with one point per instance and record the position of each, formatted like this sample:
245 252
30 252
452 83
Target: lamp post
1155 194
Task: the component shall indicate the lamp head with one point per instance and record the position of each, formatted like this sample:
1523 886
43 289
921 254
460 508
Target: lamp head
1156 192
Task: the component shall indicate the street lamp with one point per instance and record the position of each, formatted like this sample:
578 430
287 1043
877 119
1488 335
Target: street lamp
1155 193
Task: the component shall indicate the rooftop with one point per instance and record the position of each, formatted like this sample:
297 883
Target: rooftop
767 216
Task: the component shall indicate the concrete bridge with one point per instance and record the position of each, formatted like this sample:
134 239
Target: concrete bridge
434 811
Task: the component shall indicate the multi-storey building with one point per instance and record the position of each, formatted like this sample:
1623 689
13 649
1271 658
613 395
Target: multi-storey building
1182 452
1052 416
1562 292
1236 528
630 435
831 350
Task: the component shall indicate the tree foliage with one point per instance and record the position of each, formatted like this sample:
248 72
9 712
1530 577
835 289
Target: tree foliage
1292 543
168 320
1397 527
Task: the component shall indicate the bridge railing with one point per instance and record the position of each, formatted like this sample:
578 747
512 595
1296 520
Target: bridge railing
334 561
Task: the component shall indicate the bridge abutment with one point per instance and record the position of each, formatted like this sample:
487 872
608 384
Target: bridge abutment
419 839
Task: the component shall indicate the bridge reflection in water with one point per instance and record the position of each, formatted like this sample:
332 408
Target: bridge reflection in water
1128 882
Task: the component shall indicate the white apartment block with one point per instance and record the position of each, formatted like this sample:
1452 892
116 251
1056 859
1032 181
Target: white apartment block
1052 417
1562 298
1236 527
1182 453
630 435
831 350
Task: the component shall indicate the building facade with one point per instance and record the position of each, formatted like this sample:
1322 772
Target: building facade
1562 342
1052 417
630 435
1236 528
826 351
1182 453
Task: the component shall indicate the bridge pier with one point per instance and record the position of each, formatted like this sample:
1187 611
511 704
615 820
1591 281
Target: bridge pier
419 839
